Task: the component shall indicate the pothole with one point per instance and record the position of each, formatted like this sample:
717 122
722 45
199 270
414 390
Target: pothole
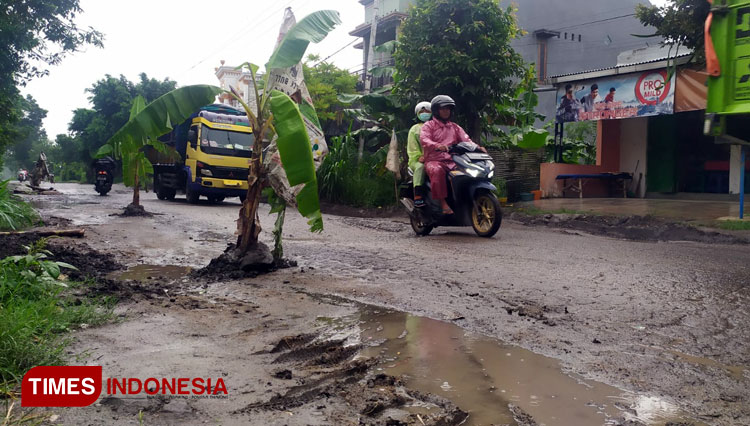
151 272
484 376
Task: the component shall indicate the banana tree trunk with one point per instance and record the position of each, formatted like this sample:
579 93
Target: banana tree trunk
248 224
136 185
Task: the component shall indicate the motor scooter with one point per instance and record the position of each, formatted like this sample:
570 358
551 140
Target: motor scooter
103 169
23 174
471 196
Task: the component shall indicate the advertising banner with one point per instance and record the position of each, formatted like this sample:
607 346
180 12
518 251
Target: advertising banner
616 97
292 82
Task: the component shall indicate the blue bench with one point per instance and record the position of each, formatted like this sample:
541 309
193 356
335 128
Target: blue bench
578 181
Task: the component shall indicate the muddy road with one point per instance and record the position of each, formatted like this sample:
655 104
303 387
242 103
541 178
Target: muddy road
658 330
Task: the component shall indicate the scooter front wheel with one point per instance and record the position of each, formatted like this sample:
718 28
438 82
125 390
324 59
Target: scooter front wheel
486 216
417 224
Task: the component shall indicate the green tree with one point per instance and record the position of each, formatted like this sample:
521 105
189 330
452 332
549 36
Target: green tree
325 82
34 34
27 132
111 99
679 23
459 48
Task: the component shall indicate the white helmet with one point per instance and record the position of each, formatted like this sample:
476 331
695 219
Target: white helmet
422 105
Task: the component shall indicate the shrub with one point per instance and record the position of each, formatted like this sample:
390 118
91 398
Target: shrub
37 309
14 212
343 178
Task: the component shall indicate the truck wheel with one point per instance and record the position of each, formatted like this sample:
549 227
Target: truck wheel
243 197
192 196
163 193
215 199
486 216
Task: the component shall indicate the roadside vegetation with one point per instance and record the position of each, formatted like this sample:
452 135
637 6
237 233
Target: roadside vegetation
15 214
38 306
344 178
734 225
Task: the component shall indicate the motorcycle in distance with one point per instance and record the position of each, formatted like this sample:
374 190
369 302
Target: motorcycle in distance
23 174
103 175
471 195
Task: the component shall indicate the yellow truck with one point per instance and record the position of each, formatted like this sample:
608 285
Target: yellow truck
214 147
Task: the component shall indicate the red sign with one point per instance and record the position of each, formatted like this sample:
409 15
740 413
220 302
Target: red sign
73 386
652 87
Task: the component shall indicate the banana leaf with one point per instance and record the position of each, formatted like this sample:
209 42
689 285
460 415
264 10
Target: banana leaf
313 28
387 47
382 71
533 139
296 156
157 117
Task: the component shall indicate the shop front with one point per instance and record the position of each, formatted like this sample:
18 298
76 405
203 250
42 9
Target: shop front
650 139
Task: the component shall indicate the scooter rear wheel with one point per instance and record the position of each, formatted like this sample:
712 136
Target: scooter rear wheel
418 226
486 216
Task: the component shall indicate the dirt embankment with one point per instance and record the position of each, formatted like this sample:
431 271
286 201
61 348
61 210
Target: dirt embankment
309 377
636 228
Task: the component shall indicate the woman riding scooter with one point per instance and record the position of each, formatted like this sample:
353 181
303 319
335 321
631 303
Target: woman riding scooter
437 137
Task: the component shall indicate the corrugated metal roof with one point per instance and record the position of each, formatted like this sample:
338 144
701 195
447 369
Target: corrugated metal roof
680 58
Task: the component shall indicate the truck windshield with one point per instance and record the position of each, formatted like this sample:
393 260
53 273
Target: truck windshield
224 142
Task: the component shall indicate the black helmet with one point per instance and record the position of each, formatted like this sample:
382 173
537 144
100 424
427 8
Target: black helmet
441 101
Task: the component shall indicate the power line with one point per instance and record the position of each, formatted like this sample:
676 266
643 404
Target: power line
332 54
595 22
233 39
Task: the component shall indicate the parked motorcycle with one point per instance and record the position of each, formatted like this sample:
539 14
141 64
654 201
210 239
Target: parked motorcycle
23 174
103 169
471 196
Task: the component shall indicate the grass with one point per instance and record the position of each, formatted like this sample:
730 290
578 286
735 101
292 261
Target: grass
15 214
734 225
38 309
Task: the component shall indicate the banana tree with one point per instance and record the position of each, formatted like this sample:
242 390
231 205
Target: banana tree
145 125
276 114
292 123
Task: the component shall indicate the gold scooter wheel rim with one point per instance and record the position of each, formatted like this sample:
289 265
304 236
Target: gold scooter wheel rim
483 214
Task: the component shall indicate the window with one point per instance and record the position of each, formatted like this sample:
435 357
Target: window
542 62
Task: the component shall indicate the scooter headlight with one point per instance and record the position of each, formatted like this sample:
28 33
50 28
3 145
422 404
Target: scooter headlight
473 172
491 174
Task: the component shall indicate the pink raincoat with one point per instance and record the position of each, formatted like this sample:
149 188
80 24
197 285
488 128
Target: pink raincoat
437 163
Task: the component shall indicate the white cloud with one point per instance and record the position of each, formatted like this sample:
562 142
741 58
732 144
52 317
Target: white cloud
183 40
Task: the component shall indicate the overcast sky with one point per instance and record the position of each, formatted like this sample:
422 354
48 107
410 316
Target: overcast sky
183 40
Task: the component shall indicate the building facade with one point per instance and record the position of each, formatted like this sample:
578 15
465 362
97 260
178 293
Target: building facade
239 79
561 37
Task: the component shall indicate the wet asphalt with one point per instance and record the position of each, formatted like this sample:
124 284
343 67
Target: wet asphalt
667 320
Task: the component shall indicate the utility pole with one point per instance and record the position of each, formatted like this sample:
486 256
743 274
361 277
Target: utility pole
371 45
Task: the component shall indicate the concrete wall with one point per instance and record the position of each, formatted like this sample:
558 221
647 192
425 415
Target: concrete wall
603 26
633 148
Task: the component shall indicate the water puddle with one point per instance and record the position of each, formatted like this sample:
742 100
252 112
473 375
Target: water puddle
482 376
151 272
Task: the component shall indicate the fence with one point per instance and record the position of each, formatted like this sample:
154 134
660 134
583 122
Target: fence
519 168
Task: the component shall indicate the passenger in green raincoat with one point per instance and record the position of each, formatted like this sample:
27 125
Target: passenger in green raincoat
414 151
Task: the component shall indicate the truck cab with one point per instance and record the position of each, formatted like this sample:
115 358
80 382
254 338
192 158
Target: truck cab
214 146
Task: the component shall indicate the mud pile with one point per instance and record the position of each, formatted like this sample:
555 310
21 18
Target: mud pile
329 376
